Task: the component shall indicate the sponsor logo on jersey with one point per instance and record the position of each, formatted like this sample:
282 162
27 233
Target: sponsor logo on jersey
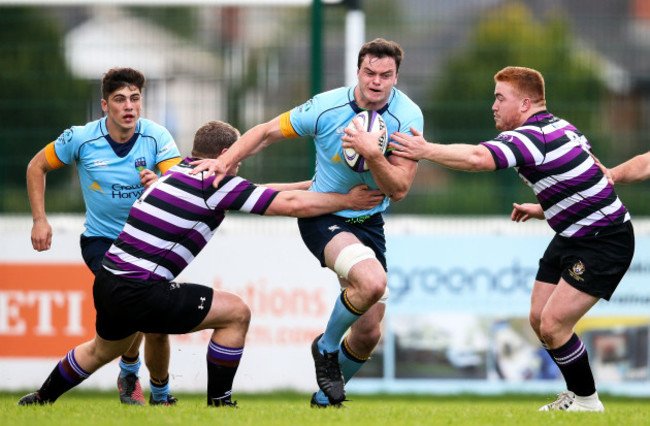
65 137
140 164
167 147
336 159
100 163
95 187
131 192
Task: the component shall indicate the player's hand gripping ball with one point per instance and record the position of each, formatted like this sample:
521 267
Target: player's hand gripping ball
371 121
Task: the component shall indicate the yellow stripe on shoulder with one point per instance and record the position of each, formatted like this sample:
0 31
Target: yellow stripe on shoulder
285 126
168 164
52 158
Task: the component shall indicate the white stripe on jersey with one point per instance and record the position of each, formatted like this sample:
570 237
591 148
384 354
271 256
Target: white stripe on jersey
141 263
561 151
225 190
549 181
184 195
538 156
507 152
565 203
594 217
147 238
252 200
178 221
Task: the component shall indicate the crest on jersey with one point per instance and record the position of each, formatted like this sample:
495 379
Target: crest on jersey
140 164
65 137
577 270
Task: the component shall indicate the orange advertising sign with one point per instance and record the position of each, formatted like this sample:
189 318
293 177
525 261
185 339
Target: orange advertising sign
45 309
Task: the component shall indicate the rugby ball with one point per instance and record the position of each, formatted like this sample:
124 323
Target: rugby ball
370 121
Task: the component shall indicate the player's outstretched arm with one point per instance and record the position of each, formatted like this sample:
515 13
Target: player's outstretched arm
308 203
636 169
37 168
471 158
525 211
250 143
293 186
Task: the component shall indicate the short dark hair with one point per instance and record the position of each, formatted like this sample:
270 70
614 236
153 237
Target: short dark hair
381 48
116 78
212 138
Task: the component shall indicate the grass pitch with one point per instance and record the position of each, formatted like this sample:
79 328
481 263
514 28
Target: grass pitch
291 409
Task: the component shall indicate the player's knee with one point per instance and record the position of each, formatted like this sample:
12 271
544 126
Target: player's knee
376 289
242 315
350 256
549 330
534 320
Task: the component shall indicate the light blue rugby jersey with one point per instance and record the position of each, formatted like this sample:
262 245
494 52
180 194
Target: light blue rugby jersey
109 183
325 116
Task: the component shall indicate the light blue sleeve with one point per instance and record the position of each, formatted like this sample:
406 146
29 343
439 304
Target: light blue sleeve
67 144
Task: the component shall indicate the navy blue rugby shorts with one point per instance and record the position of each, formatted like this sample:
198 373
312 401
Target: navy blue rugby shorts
93 250
126 306
316 232
593 264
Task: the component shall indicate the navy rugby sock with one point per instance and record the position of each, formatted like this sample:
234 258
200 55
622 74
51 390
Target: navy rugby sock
573 361
222 365
66 375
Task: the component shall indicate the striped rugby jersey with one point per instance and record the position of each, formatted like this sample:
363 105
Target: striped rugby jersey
175 218
553 158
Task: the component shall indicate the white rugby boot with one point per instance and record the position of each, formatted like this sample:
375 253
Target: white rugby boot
569 401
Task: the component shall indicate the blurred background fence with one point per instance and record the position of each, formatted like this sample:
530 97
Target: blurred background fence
247 64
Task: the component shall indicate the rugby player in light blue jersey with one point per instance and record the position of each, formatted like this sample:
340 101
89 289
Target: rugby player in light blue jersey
594 241
350 243
109 154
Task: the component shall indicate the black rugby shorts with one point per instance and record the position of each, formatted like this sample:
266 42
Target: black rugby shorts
593 264
127 306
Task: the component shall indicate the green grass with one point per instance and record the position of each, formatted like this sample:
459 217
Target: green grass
94 408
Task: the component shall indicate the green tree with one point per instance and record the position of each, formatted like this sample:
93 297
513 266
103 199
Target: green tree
39 99
462 98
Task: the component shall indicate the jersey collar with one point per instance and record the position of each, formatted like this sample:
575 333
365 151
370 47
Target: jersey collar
357 109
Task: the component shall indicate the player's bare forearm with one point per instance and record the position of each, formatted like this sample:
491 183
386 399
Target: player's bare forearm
303 186
36 172
471 158
393 176
248 144
308 204
636 169
41 235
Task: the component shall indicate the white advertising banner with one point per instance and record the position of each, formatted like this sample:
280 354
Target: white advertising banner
456 320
